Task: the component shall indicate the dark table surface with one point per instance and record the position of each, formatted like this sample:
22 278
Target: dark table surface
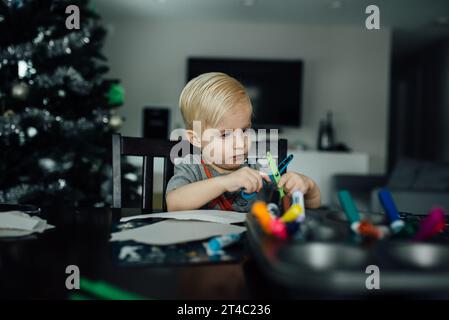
35 267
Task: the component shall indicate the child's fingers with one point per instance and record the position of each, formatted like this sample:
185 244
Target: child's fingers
283 180
297 185
259 179
291 182
265 176
251 183
247 186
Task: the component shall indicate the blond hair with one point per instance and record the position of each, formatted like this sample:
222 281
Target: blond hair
209 96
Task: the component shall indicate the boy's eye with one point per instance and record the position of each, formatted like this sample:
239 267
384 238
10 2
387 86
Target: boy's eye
230 132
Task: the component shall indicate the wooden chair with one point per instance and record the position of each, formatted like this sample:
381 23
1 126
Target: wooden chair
148 149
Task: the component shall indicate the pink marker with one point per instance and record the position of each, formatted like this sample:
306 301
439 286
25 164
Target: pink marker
434 223
278 228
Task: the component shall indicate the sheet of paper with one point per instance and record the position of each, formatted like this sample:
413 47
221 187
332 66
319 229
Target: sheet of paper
169 232
19 224
218 216
17 220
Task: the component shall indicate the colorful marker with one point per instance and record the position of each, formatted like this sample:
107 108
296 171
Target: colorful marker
298 198
218 243
369 230
363 228
278 228
386 199
294 213
260 210
434 223
350 209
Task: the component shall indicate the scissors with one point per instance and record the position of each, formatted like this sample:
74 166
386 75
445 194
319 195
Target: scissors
274 177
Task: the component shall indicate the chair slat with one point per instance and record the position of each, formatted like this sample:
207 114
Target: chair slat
116 172
147 183
168 173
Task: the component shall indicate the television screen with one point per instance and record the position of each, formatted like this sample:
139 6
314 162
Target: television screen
274 86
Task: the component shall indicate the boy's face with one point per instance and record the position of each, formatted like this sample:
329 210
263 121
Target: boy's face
227 145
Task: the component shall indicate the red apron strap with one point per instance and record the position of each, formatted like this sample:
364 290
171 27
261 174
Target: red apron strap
224 203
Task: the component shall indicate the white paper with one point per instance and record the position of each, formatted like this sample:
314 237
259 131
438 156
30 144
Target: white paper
219 216
19 224
169 232
17 220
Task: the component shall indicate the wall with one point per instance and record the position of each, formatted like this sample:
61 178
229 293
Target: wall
346 71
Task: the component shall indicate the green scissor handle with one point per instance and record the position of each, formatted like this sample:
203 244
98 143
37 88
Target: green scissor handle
275 173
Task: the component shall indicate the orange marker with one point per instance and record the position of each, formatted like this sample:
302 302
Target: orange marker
260 210
367 229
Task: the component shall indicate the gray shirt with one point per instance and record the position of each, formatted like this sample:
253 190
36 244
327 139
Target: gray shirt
189 172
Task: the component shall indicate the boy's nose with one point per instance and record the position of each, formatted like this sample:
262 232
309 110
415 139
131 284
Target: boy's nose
239 139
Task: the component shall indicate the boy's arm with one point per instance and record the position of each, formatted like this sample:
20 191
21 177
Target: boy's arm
195 195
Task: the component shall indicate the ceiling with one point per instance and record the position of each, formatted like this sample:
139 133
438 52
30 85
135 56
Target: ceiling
415 22
407 14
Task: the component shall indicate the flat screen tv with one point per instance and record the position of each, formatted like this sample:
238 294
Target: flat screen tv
274 86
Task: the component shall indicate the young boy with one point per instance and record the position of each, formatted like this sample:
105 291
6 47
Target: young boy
222 108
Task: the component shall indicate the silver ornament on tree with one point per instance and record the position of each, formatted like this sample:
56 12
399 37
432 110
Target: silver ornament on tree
20 91
47 164
8 113
116 122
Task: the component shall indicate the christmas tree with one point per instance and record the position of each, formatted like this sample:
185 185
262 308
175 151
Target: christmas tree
57 112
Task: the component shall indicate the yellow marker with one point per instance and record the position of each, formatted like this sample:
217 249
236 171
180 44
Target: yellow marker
260 210
292 213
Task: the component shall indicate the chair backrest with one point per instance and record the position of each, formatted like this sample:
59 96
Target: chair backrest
150 149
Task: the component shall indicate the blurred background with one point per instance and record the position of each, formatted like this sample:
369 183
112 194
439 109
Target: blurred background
361 108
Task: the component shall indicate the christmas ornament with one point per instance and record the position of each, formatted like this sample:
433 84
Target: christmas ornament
47 164
116 94
31 132
8 113
116 122
20 91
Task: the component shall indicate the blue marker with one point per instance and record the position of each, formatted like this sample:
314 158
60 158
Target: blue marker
392 212
218 243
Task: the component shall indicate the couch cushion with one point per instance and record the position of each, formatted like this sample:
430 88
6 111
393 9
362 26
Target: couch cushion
411 174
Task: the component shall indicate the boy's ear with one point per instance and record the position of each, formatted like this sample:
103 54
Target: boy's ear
193 138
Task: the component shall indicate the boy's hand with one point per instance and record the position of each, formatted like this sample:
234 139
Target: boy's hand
292 181
247 178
